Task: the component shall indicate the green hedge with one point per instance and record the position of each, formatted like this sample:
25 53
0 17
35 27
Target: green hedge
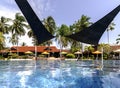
70 55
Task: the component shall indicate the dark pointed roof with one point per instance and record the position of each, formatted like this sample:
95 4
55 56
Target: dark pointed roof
92 34
39 30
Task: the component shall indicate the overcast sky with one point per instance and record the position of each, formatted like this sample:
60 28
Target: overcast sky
67 12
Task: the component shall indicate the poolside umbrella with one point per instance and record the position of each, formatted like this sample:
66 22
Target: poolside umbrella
78 53
97 52
46 53
28 52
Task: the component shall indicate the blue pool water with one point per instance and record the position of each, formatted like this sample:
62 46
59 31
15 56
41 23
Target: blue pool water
59 74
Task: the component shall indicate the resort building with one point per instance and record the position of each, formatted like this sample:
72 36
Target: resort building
22 50
115 47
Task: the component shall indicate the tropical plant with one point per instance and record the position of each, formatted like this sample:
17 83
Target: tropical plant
79 25
60 35
4 26
106 47
31 35
110 28
13 39
18 28
50 25
89 49
2 41
4 29
106 50
70 55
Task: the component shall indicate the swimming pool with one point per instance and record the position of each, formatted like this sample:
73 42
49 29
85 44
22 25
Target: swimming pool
59 74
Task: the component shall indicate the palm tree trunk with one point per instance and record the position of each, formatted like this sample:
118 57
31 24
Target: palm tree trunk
60 46
35 52
17 49
108 35
82 50
48 49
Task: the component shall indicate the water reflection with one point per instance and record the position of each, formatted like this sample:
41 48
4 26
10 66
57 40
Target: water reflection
59 74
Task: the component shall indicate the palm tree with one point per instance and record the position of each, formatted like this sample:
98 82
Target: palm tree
4 26
106 47
89 49
82 23
35 43
79 25
60 35
2 41
118 39
50 25
31 35
18 28
110 28
13 39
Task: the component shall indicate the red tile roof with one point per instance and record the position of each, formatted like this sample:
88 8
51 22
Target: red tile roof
115 47
32 48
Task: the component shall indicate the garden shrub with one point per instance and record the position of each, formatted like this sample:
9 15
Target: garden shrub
70 55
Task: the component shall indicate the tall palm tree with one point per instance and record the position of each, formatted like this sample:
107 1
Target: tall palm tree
18 28
82 23
31 35
2 41
60 35
4 26
50 25
79 25
61 32
19 25
13 39
110 28
35 43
